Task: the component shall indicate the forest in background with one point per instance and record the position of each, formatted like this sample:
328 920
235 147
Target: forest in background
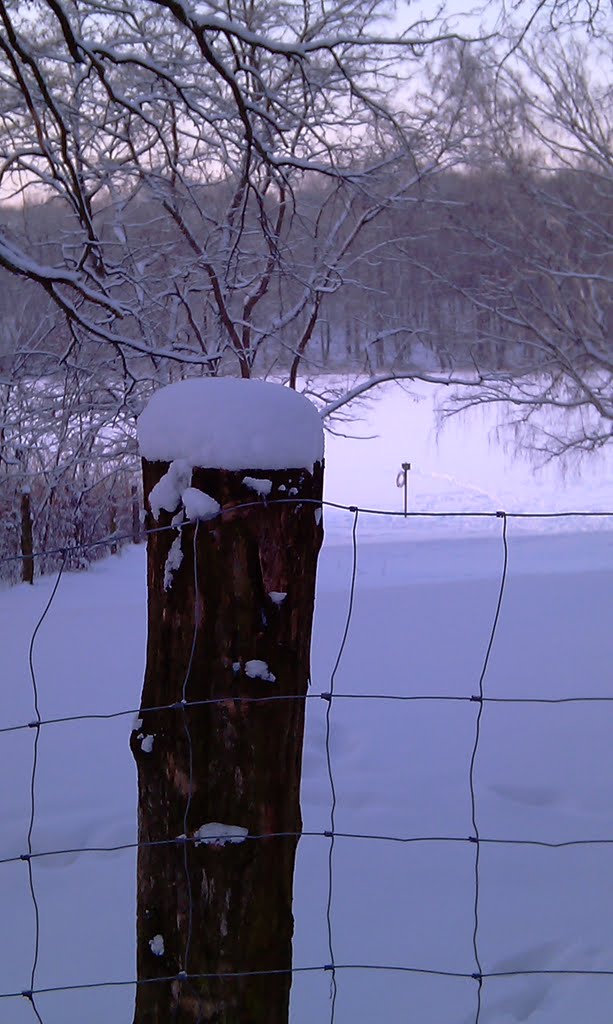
219 195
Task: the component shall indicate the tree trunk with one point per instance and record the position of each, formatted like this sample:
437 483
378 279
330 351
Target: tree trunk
136 523
114 547
27 544
208 908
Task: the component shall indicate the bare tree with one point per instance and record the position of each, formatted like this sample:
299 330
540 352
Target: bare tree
266 188
529 244
192 189
527 16
179 146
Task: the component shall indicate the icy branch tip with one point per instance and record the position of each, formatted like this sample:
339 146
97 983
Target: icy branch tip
230 423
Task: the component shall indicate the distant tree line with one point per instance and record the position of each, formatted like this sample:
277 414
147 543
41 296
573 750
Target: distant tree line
431 285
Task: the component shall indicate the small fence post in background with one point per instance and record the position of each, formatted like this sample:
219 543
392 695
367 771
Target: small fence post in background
402 480
137 529
27 543
114 547
230 606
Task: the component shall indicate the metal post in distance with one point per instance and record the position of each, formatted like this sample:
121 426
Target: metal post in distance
402 480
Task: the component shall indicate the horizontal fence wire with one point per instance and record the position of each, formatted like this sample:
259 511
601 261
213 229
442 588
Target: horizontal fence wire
309 969
309 834
476 839
180 705
115 538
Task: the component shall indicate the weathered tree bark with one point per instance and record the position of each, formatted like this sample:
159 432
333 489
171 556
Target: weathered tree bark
221 909
27 544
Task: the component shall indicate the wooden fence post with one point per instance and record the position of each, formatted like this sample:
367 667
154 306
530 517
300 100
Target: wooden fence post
27 544
230 605
113 547
137 530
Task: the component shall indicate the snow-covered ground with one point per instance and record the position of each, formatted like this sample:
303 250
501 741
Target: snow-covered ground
422 619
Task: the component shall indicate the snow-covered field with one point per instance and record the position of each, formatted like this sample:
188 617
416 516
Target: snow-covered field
425 600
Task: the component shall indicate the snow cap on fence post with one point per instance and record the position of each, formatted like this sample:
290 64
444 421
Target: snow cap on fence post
231 423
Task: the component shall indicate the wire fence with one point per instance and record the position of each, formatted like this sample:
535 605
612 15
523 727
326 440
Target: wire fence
476 840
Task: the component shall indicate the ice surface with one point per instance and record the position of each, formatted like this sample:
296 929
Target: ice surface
216 834
257 669
199 505
229 423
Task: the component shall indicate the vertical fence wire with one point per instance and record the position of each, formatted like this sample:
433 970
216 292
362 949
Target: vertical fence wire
190 789
190 749
30 993
184 972
476 839
329 697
